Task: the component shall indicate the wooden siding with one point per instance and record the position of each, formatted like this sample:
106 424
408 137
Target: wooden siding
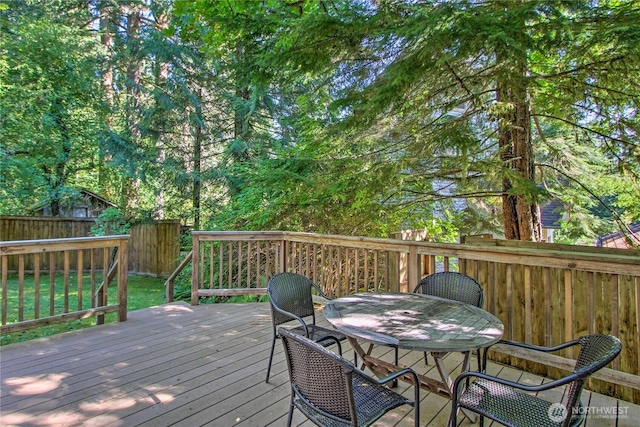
180 365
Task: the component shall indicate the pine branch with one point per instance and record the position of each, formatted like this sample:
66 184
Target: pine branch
619 221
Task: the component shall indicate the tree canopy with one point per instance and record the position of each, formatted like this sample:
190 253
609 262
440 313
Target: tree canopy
334 116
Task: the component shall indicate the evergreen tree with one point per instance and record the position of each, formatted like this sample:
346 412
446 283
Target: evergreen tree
452 99
49 105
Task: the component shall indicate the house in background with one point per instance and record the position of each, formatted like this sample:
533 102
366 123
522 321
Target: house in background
620 240
88 205
551 214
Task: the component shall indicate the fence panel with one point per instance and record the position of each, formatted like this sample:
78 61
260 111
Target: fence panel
155 248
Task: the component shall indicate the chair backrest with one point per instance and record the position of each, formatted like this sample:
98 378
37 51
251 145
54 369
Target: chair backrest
290 292
319 377
452 285
596 352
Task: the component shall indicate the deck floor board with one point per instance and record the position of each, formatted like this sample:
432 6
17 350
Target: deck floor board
178 365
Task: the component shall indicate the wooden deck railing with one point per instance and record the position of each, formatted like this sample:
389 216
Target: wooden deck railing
543 293
46 295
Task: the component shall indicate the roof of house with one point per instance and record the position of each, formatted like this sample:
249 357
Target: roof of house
95 196
619 239
551 213
82 191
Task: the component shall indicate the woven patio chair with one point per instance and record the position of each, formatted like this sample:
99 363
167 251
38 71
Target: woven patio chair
291 299
510 403
331 391
454 286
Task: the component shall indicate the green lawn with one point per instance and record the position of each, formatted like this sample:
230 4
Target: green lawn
142 292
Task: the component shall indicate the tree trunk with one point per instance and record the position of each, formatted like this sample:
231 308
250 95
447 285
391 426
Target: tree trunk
106 39
133 93
160 122
197 182
521 219
197 164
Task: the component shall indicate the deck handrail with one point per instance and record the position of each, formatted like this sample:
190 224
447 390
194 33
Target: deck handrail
52 257
169 284
543 293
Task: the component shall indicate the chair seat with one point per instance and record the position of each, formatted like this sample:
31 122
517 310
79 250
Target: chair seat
508 405
318 334
372 402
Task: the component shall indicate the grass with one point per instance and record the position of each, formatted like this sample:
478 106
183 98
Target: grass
142 292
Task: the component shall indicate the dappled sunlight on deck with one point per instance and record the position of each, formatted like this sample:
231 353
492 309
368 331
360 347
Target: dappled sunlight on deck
33 385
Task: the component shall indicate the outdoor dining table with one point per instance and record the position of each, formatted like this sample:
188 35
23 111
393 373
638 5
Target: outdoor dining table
413 322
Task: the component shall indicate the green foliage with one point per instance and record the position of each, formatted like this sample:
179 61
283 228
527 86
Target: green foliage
111 222
349 117
49 108
399 111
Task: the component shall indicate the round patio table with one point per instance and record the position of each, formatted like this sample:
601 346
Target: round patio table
413 322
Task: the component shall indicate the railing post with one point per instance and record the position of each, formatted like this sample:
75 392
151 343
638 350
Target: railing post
283 255
195 265
413 268
123 267
99 297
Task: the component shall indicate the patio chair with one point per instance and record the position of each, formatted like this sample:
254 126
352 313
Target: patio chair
454 286
331 391
290 299
510 403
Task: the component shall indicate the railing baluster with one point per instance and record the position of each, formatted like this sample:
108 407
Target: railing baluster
20 287
79 282
66 281
105 278
5 287
220 263
36 285
509 301
615 312
94 263
546 278
528 321
52 283
568 308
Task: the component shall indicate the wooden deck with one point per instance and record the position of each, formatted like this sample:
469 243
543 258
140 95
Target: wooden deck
189 366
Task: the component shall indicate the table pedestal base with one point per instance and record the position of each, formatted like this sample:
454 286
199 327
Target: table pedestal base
442 387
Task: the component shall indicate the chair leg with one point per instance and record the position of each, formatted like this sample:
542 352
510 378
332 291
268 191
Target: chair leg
394 383
273 346
453 418
290 417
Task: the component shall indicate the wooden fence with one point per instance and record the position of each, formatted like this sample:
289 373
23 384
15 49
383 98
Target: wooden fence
154 248
543 293
51 295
